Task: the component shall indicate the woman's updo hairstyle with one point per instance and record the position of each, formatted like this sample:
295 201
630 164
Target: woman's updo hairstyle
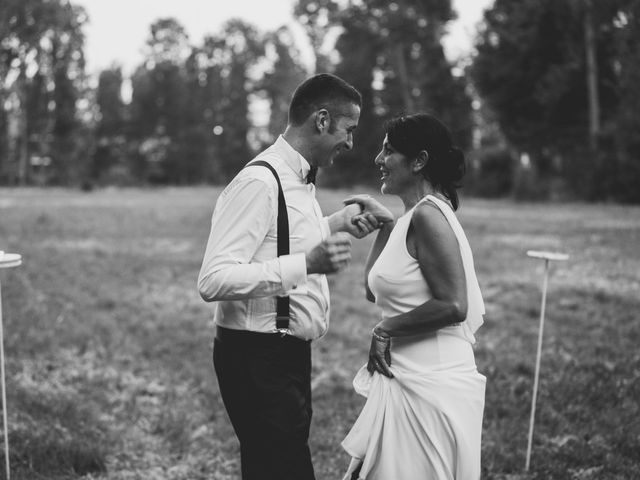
445 167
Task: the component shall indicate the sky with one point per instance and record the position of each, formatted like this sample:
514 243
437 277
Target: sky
117 29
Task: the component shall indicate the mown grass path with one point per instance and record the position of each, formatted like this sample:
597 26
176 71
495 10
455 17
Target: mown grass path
109 346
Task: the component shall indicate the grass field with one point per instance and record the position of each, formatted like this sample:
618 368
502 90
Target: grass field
108 345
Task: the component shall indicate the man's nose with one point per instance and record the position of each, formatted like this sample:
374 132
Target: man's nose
378 159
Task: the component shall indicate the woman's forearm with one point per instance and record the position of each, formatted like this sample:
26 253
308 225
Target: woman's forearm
430 316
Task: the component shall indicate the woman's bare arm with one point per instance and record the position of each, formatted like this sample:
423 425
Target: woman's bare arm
438 255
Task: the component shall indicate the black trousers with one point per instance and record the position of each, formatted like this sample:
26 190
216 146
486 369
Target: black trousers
265 382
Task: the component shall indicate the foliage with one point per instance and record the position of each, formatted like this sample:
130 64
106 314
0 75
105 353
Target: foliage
490 173
158 101
110 136
108 345
531 70
186 112
41 77
279 83
198 112
391 52
625 172
242 46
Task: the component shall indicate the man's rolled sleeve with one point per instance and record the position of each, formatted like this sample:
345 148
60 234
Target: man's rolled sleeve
293 272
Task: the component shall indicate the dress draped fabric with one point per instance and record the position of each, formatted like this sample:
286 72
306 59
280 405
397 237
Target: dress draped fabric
426 422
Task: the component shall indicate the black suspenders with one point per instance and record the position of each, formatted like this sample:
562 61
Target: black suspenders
282 305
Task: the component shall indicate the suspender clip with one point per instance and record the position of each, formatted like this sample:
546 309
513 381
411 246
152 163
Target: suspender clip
284 331
282 325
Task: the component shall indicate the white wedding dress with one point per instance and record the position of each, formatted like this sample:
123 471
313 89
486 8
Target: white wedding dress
426 422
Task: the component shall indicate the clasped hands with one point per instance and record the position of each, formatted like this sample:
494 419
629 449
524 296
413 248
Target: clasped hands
361 215
370 216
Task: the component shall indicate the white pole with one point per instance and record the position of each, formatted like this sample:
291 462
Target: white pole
7 260
538 357
547 257
4 394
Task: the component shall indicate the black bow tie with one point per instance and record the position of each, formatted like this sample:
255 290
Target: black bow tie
311 176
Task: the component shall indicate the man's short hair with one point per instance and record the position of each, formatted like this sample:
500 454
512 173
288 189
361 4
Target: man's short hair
323 90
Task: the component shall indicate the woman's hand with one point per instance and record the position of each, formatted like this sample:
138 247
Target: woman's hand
380 354
358 224
371 206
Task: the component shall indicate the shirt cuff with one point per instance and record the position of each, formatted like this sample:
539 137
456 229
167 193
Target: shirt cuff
293 272
326 229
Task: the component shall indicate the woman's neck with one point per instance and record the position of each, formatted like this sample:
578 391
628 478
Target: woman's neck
413 195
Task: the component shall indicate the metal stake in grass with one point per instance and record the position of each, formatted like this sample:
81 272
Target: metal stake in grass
547 257
7 260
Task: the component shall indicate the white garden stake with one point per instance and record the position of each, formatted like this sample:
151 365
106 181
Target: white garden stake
547 257
7 260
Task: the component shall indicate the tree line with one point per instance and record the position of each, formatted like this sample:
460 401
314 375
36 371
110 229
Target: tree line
545 107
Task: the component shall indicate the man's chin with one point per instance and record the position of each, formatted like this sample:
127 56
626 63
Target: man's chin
332 158
327 163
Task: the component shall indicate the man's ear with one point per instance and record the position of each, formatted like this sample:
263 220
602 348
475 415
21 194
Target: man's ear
421 161
323 119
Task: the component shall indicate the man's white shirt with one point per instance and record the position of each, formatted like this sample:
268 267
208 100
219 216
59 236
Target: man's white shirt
241 271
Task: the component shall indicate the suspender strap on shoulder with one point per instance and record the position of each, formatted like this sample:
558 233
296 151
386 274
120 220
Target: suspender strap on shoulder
282 305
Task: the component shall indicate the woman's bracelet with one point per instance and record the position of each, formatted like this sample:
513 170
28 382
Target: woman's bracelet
379 337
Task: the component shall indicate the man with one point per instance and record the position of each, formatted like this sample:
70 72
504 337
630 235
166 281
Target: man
264 372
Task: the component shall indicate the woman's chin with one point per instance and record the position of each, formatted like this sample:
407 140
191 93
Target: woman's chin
384 189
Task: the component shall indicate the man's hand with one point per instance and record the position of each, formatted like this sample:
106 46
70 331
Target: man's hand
380 355
371 207
358 223
350 219
330 256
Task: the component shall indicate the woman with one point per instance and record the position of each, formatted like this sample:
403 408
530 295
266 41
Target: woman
425 398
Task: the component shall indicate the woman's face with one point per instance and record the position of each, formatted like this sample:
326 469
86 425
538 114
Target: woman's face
397 174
